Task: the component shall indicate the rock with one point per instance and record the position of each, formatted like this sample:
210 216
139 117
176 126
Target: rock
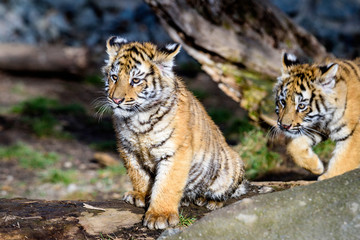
328 209
77 23
335 23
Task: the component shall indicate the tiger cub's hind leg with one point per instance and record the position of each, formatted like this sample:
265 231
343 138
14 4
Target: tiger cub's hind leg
303 155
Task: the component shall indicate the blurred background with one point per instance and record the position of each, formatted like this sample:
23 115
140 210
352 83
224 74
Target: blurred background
55 143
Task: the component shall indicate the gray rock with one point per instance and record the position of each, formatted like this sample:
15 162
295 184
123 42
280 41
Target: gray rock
333 22
328 210
169 232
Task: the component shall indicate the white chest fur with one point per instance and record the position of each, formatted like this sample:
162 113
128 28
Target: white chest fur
147 136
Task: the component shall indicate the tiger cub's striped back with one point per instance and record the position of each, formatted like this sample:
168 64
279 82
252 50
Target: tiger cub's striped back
319 101
172 149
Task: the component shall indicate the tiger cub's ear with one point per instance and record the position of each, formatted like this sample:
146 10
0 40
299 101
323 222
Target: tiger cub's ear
289 60
327 80
164 58
113 44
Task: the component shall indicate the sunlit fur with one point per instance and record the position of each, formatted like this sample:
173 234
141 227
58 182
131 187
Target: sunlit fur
172 150
319 101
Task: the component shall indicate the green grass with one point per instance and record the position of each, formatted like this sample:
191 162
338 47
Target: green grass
94 80
109 175
41 115
185 221
256 155
324 149
112 171
27 156
60 176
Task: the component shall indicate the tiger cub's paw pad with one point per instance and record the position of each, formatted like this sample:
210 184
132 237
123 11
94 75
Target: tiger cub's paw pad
212 205
160 220
135 198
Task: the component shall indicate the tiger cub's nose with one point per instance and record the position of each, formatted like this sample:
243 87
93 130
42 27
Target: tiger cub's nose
118 100
286 127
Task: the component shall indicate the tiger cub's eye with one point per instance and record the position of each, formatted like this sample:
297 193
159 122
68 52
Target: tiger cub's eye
301 106
135 80
114 77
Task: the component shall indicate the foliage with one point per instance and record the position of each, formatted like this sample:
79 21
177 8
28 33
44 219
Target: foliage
59 176
41 115
200 94
324 149
256 155
112 171
108 145
27 156
95 80
220 115
185 221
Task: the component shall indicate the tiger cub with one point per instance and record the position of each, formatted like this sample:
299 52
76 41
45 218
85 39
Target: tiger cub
172 150
316 102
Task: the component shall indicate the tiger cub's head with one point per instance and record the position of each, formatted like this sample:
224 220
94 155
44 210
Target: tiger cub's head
302 96
138 75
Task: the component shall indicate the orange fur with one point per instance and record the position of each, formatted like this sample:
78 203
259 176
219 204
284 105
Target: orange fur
172 150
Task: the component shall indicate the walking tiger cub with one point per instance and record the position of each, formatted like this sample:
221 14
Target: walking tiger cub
172 150
320 101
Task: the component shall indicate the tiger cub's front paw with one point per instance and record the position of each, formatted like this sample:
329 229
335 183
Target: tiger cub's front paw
154 220
317 167
135 198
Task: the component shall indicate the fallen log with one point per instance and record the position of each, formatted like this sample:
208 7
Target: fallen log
28 58
66 220
239 44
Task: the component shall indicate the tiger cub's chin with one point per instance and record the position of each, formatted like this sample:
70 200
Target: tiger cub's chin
172 150
320 101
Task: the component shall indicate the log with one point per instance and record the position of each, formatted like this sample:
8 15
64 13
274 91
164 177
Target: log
66 220
239 44
28 58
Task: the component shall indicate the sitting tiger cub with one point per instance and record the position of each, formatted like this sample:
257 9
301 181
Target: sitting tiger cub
320 101
172 150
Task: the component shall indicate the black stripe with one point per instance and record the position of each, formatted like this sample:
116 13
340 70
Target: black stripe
137 62
338 129
314 116
344 138
151 71
317 105
312 96
158 119
133 49
323 102
196 168
163 141
352 68
302 87
347 136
